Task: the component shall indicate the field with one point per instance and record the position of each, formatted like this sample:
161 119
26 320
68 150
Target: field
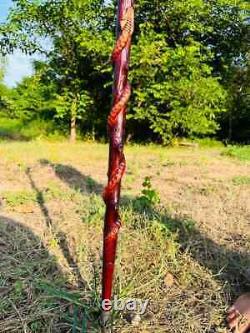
188 254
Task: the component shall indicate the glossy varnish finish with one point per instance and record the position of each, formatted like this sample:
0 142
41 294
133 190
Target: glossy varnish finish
116 131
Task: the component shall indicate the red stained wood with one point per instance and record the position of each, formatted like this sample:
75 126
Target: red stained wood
116 131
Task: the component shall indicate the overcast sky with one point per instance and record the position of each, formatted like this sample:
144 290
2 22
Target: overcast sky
18 64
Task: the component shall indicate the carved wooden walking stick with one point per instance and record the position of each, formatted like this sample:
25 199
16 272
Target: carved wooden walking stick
116 130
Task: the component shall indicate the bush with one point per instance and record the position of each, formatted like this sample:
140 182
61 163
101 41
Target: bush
16 129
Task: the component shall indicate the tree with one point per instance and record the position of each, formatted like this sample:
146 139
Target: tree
62 23
183 56
174 87
31 99
236 122
72 106
5 93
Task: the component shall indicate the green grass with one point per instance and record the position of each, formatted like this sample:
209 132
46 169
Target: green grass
15 198
241 180
242 153
209 143
50 251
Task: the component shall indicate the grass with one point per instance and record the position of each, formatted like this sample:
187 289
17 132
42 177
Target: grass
51 237
241 180
240 152
208 143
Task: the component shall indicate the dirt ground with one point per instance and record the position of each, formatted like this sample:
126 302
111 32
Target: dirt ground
51 237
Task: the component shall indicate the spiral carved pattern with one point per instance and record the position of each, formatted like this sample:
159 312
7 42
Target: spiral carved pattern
116 127
127 29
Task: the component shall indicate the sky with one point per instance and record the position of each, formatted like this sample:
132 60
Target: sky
18 65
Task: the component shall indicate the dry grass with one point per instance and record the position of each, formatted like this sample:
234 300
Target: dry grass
51 234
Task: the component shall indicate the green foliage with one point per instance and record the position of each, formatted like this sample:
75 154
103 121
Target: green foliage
31 99
39 128
63 75
67 104
10 128
5 93
181 60
17 129
174 89
149 196
189 67
236 121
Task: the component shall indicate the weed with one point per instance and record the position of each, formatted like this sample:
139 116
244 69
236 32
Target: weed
149 196
91 184
15 198
241 180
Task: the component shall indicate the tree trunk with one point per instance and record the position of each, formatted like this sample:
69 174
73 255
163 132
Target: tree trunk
73 122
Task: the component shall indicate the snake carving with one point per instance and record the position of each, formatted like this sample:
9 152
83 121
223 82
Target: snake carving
116 130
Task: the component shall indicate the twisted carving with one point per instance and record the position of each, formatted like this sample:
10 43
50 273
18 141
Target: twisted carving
116 125
119 105
127 29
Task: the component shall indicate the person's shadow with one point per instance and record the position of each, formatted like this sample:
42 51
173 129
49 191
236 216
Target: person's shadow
24 263
229 266
62 238
74 178
35 295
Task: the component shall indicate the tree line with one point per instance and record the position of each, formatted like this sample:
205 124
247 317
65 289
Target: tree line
190 65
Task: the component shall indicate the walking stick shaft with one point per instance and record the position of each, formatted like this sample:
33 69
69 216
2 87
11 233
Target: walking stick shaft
116 130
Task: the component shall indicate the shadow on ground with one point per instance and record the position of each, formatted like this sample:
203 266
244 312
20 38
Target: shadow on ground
24 263
74 178
227 265
62 238
36 294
